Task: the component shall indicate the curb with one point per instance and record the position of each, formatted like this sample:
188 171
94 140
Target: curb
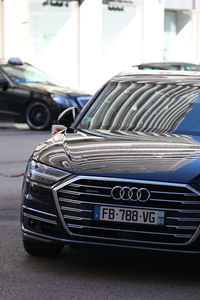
8 125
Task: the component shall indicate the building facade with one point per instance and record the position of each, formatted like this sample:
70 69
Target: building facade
83 43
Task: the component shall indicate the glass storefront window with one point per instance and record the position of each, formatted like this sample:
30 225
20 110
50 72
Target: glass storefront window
53 31
179 35
46 20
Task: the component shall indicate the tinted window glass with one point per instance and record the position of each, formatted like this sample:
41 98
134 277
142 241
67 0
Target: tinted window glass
27 74
2 78
191 68
83 100
145 107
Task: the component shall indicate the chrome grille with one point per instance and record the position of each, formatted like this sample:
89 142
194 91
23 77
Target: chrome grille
76 200
39 215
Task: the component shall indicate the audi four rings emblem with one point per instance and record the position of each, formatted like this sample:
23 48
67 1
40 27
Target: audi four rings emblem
133 194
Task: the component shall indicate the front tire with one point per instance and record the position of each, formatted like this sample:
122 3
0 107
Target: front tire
36 248
38 116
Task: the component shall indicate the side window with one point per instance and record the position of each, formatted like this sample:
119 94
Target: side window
2 78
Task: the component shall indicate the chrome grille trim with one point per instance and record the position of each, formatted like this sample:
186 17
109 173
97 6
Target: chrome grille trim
176 201
184 219
128 180
137 231
153 200
132 206
108 188
75 209
77 193
92 186
69 200
75 226
39 219
173 193
191 236
42 216
182 227
76 218
127 240
38 211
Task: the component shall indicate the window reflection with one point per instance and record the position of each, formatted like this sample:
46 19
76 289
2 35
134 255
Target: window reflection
145 107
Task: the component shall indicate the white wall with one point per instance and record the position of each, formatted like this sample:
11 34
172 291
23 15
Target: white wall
16 31
181 38
54 40
186 36
1 31
84 46
121 39
153 30
197 31
110 41
90 44
180 4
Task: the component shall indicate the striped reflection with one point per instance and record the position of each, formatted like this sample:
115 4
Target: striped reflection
145 107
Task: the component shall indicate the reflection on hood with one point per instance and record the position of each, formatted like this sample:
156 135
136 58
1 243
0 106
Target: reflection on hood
122 154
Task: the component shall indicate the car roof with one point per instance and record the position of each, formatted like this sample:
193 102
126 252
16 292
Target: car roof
159 76
169 65
14 61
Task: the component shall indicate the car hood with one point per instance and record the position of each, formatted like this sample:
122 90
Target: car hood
51 89
174 158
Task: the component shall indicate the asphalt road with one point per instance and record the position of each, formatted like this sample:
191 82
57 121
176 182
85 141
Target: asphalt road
75 275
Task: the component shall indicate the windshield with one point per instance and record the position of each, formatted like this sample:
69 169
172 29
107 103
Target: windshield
145 107
27 74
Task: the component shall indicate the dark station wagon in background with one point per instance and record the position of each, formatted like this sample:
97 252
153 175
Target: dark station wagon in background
29 95
125 173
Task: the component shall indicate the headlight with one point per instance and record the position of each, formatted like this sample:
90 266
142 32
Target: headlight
44 174
61 100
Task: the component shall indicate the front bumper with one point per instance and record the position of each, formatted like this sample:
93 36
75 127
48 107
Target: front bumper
43 219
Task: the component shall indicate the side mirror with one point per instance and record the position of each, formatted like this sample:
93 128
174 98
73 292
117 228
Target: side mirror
68 116
4 84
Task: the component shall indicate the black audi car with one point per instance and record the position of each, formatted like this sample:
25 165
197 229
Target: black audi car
29 95
125 173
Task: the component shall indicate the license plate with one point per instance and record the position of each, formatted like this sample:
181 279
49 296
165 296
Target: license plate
128 215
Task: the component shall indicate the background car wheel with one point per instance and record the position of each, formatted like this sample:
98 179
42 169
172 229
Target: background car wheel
36 248
38 116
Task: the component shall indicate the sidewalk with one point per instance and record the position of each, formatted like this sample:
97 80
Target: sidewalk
12 125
